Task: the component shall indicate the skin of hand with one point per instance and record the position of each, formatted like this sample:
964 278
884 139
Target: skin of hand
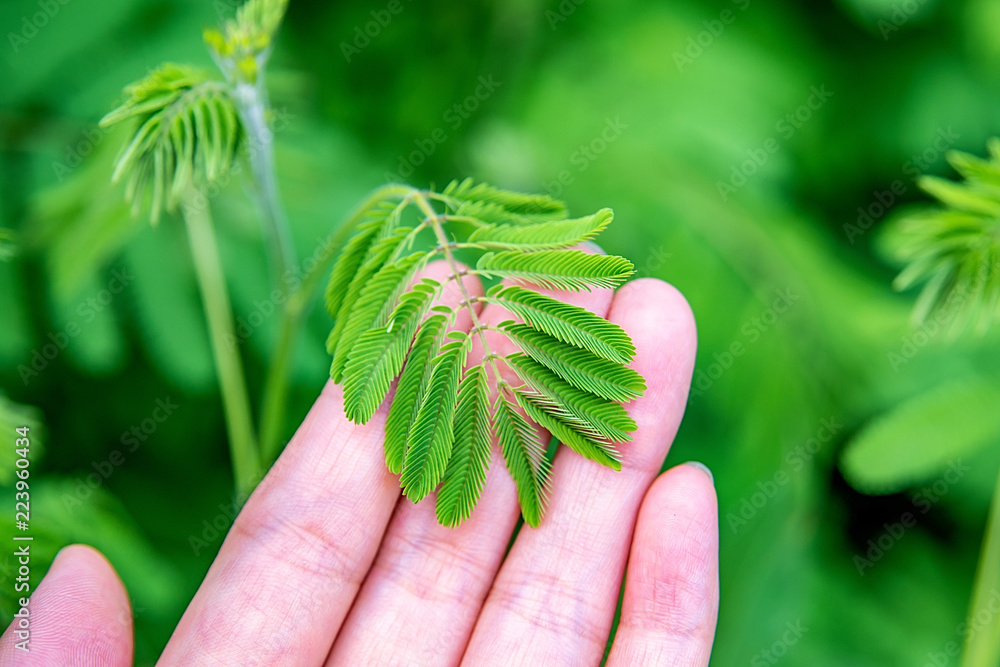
328 565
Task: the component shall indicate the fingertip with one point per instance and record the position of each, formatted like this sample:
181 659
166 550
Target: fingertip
653 293
672 588
687 489
658 319
80 613
84 566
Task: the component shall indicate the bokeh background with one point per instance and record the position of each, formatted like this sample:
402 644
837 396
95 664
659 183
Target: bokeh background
736 142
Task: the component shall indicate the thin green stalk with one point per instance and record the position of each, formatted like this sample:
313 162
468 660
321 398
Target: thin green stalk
229 367
982 641
467 300
275 397
254 108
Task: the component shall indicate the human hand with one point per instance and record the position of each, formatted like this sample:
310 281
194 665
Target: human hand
326 562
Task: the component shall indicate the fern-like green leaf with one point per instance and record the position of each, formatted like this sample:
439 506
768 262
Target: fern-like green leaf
557 269
582 369
593 416
542 235
373 308
441 422
429 444
525 457
411 389
601 452
513 202
378 355
353 254
187 133
466 472
570 324
351 323
954 250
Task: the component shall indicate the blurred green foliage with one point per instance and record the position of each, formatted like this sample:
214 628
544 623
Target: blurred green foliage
752 152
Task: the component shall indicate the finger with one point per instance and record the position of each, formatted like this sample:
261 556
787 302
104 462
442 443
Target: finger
428 582
554 599
295 557
672 587
79 615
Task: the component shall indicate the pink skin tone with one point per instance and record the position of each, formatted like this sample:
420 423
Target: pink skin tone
327 564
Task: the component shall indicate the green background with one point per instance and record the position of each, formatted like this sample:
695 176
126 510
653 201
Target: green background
689 96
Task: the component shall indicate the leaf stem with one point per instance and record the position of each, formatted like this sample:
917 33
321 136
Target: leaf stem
229 367
435 221
251 100
982 645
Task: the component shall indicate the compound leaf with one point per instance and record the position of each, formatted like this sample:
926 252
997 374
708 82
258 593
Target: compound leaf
594 450
592 415
582 369
378 355
570 324
410 390
557 269
543 235
352 255
525 458
469 191
372 296
430 440
466 472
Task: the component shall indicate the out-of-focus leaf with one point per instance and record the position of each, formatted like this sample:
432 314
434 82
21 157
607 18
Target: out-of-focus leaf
918 438
80 223
87 327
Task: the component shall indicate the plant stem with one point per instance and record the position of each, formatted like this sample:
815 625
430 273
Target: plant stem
467 300
229 367
982 644
275 397
253 107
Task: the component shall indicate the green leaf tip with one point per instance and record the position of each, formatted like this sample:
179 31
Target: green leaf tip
187 130
953 250
456 400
